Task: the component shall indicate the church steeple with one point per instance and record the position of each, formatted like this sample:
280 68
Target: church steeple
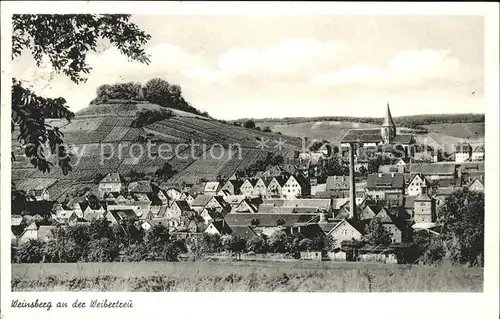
388 128
388 118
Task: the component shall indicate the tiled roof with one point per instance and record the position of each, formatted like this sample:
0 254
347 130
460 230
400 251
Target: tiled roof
385 181
222 227
265 220
197 188
433 168
423 198
328 226
183 205
211 186
201 200
403 139
243 232
45 231
479 149
112 178
372 135
387 169
269 209
299 202
471 167
140 187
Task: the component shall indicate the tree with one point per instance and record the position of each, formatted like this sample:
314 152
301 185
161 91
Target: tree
266 129
146 117
65 40
462 221
238 244
377 234
375 162
165 172
249 124
30 252
257 244
18 200
333 167
279 242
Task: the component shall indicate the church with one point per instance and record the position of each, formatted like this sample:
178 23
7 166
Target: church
385 135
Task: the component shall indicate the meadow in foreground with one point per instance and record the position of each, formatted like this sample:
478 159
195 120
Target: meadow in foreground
245 276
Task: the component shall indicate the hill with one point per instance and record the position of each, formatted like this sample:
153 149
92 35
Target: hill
443 135
196 147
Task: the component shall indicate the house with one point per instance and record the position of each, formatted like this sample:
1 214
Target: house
259 188
38 194
218 227
275 186
200 202
344 231
389 222
66 217
478 153
233 186
469 171
143 187
162 197
173 193
389 187
476 185
112 182
417 185
371 210
234 200
45 232
247 188
319 203
336 183
434 171
463 152
211 188
269 223
424 209
296 186
195 224
245 206
177 208
117 216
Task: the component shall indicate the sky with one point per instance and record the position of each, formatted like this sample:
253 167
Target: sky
285 66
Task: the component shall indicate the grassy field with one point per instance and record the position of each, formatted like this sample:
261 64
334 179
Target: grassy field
245 276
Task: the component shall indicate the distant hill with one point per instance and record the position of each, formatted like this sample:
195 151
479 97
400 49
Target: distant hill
447 134
110 124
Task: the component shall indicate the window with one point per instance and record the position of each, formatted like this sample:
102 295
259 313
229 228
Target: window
344 232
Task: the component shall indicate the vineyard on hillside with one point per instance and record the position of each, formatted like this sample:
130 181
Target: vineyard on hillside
197 148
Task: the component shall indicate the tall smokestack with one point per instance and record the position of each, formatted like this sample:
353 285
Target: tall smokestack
352 182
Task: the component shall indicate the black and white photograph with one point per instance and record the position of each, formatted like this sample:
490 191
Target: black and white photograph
333 153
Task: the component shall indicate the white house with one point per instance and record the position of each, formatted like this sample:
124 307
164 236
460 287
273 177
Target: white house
173 193
344 231
111 183
417 185
463 152
295 187
478 153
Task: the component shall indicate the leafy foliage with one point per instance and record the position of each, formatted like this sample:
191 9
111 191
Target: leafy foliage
377 234
249 124
65 41
258 244
146 117
30 252
462 220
